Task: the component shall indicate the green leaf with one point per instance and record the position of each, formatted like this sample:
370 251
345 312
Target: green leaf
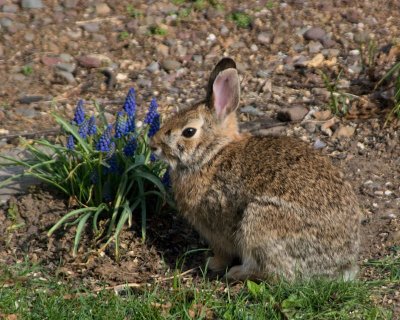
253 288
79 230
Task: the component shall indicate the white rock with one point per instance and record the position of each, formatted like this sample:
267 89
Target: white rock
211 37
122 76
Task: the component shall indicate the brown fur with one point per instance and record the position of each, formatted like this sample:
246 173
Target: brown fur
273 202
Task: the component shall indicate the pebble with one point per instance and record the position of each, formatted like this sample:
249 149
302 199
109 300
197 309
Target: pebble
50 61
70 4
354 52
69 67
163 49
296 113
319 144
32 4
6 22
102 9
89 62
322 115
122 77
69 77
224 30
254 47
314 46
26 112
251 110
264 38
153 67
344 132
170 65
211 37
29 36
66 57
91 27
197 58
10 8
30 99
314 33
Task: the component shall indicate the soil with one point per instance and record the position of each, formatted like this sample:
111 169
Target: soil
280 68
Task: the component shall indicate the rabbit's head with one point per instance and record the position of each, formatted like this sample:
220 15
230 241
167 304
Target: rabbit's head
194 135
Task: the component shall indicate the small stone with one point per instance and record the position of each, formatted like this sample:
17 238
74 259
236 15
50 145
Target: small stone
89 62
326 126
102 9
309 126
70 4
10 8
388 192
322 115
224 30
316 61
170 65
197 58
318 144
314 46
26 112
32 4
264 38
91 27
262 73
29 36
395 237
75 34
5 22
344 132
122 77
296 113
251 110
50 61
254 47
314 33
163 49
29 99
211 37
361 37
69 67
354 52
65 57
153 67
352 16
69 77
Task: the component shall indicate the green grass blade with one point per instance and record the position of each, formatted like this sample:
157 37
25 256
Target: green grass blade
153 179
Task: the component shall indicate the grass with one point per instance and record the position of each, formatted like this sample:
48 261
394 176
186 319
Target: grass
124 35
26 292
27 70
158 31
241 19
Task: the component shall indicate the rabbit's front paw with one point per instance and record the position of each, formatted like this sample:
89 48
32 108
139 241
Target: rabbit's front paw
219 263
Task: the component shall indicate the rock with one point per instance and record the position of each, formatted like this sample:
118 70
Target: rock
264 38
70 4
26 112
102 9
344 132
69 67
50 61
65 57
75 34
224 30
318 144
10 8
328 43
29 36
314 33
122 77
197 58
361 37
170 65
163 49
326 126
254 47
395 237
352 16
29 99
69 77
32 4
211 37
91 27
251 110
153 67
296 113
322 115
314 46
5 22
89 62
316 61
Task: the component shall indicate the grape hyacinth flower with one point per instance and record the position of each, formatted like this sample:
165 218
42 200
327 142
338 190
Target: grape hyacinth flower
130 147
152 118
92 129
83 129
70 142
130 109
113 164
79 115
105 140
130 103
121 126
152 157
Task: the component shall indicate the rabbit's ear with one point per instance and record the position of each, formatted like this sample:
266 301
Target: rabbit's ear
223 64
226 93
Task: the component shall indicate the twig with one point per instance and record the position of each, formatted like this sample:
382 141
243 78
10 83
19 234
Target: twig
177 275
30 135
97 20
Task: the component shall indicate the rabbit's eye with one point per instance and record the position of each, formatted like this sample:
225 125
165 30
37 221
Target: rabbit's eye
189 132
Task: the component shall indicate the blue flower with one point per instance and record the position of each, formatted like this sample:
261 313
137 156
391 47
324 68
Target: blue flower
166 179
79 115
83 129
130 103
121 126
113 166
130 124
70 142
105 140
152 118
92 129
130 147
152 157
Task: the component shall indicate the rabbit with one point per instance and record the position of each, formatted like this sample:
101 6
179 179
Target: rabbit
271 201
